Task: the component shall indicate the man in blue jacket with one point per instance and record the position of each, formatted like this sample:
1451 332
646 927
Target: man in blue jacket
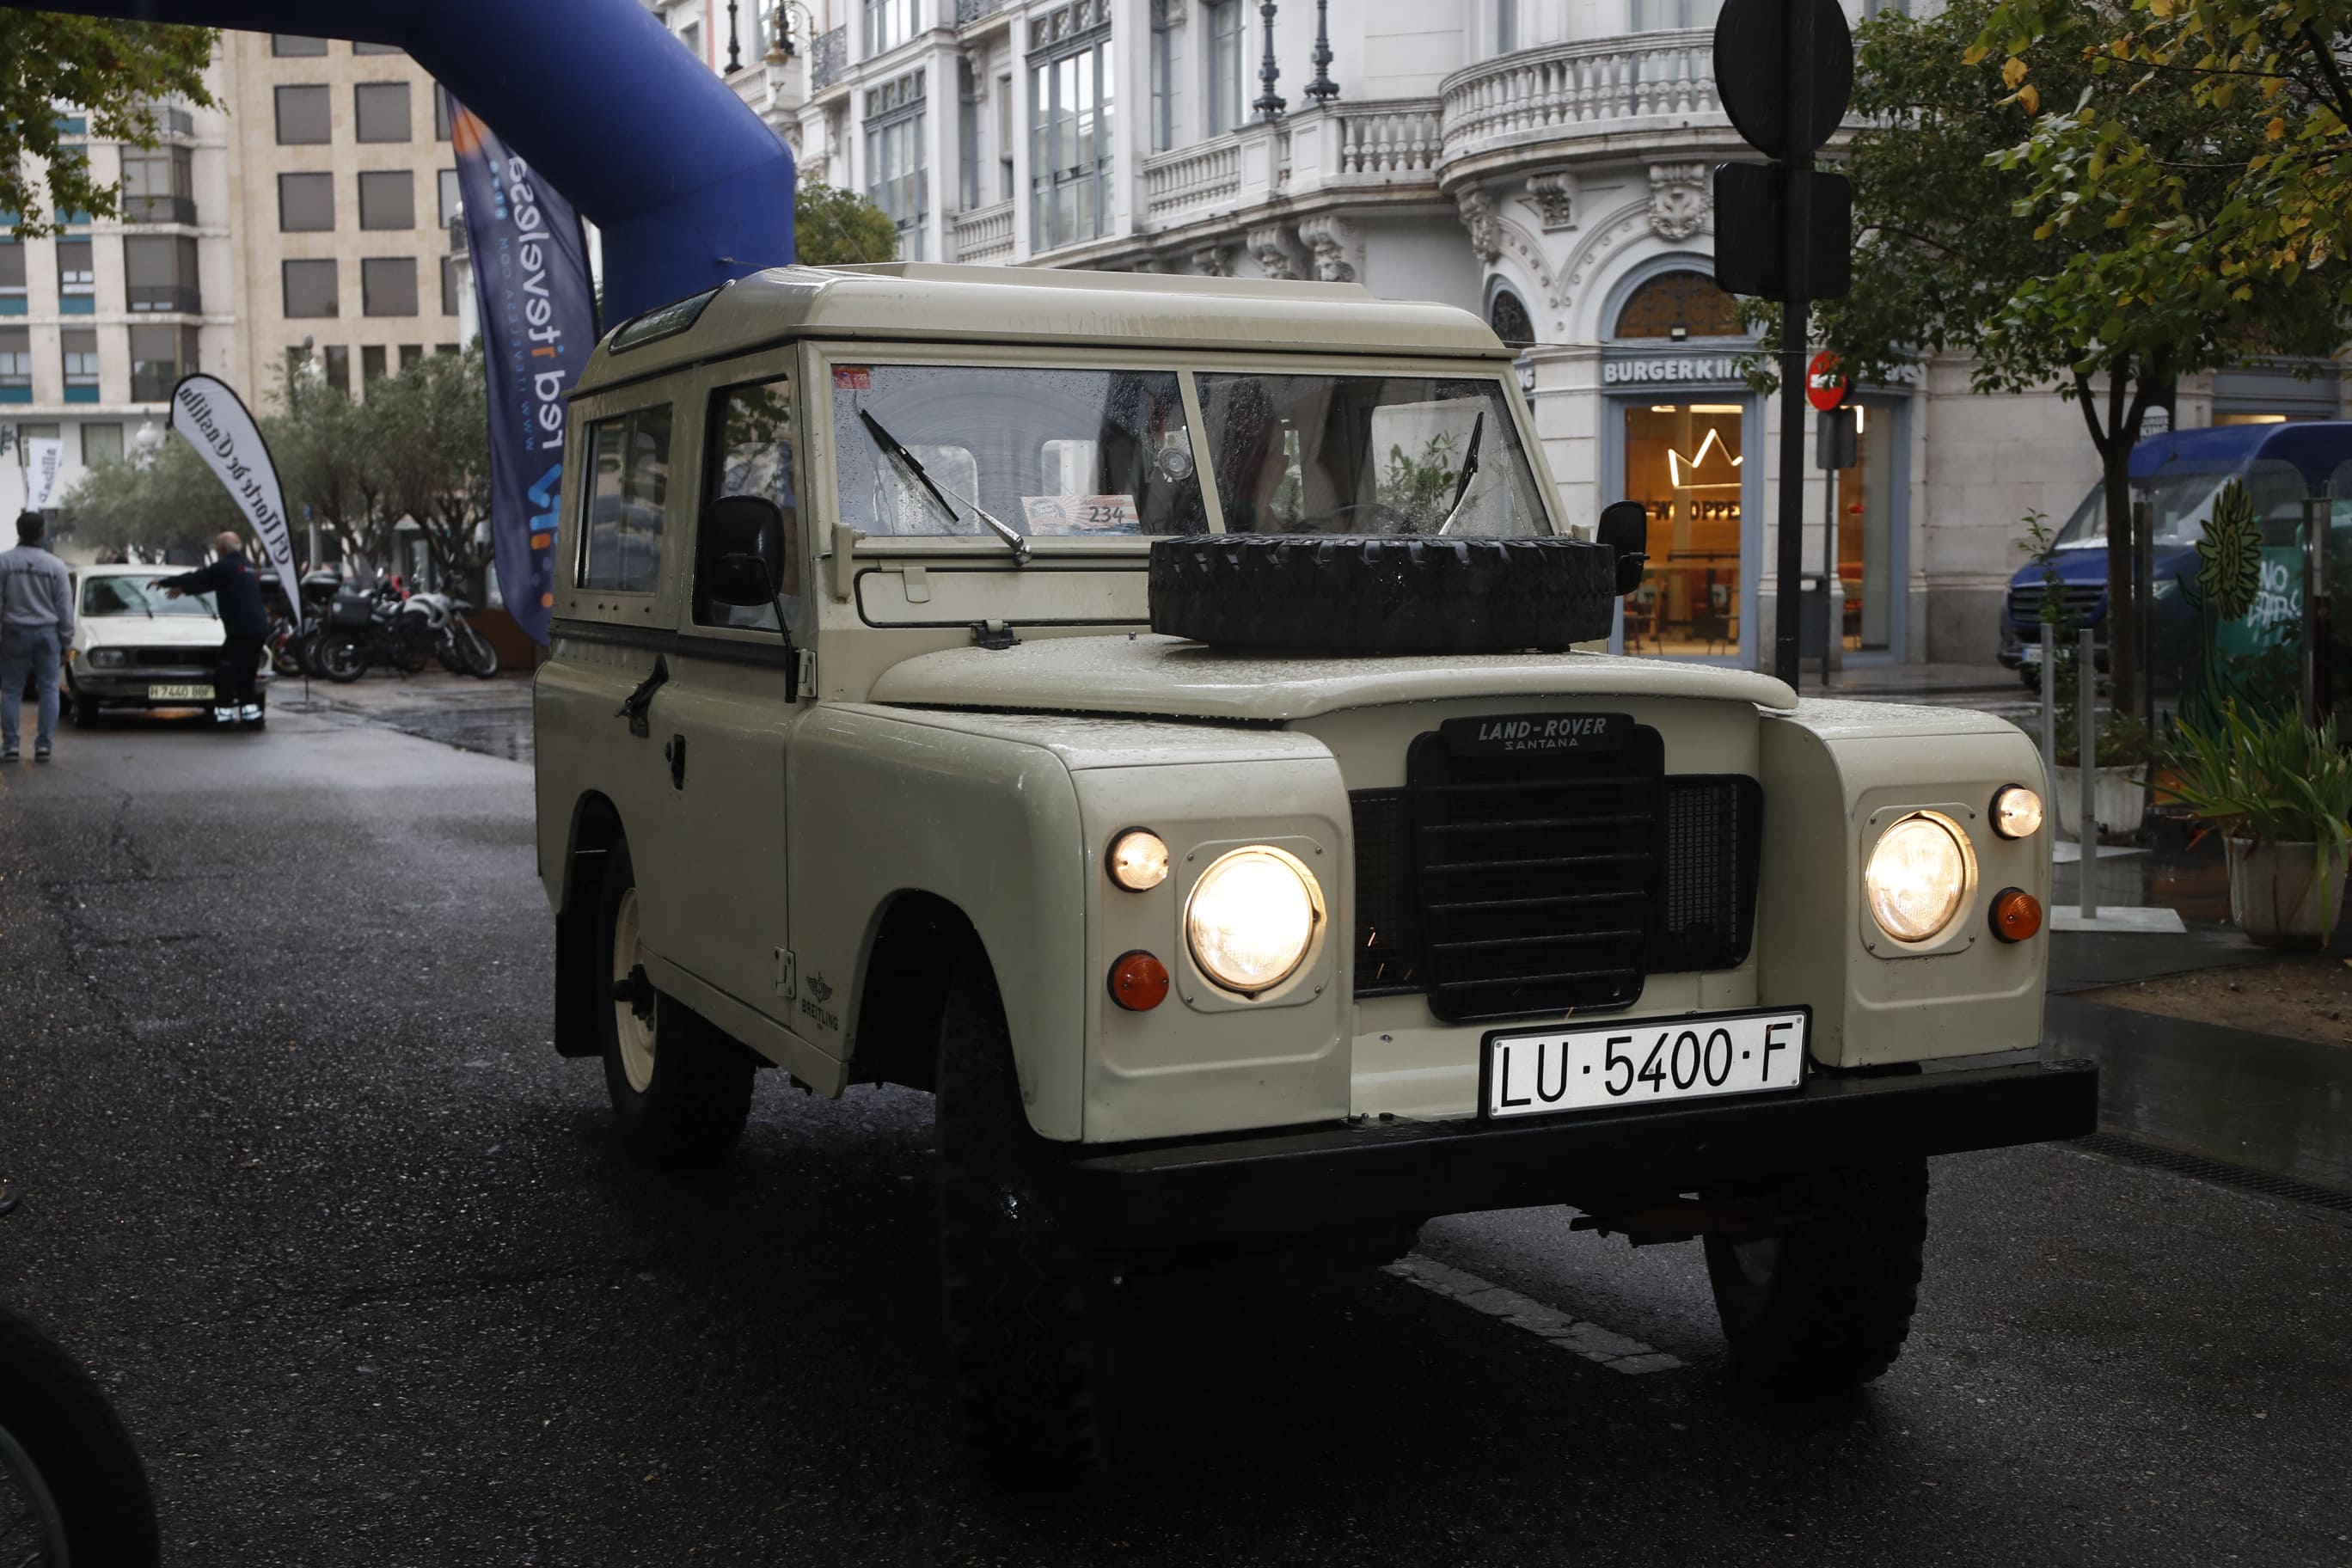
235 588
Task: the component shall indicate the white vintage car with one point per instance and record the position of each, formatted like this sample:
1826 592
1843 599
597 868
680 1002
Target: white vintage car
133 647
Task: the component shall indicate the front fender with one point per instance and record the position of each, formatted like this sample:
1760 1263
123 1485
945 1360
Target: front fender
880 804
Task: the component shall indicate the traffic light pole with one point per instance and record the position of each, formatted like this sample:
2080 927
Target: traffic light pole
1797 185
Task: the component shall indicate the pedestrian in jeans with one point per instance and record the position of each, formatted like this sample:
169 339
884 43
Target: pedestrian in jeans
235 588
37 621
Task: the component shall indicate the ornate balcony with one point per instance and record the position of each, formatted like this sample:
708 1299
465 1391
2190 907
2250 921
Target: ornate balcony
828 57
983 233
1645 83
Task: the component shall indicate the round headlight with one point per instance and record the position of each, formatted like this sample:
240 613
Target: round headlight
1251 919
1918 876
1138 861
2016 812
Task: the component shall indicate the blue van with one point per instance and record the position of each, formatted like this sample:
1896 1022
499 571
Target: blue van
2180 474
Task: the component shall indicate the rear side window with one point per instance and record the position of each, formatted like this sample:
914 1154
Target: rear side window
621 537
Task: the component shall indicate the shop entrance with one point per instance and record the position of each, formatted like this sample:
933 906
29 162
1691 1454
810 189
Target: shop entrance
1685 464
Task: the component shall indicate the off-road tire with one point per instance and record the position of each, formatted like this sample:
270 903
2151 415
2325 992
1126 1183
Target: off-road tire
342 660
478 656
82 709
690 1115
1031 1318
1382 595
57 1415
1836 1306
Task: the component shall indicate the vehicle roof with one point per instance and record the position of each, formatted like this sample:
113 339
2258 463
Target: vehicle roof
127 568
931 302
2314 445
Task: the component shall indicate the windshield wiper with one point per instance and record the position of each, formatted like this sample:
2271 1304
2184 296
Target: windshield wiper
896 449
1469 470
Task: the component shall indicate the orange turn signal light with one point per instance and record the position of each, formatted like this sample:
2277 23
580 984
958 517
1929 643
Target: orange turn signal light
2016 914
1138 982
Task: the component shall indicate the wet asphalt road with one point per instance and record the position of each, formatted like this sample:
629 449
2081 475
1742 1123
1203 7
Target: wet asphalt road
370 1280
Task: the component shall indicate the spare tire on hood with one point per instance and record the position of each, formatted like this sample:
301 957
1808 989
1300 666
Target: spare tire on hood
1385 594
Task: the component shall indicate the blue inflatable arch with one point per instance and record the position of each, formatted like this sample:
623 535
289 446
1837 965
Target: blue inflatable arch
687 187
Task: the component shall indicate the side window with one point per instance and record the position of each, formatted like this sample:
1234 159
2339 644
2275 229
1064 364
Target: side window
620 545
751 454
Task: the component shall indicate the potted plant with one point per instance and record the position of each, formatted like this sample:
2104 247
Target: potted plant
2118 799
2280 794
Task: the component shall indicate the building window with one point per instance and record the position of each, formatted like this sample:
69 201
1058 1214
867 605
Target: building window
452 196
310 288
80 347
100 443
159 273
446 349
1004 137
440 112
12 279
339 368
159 357
388 286
411 353
448 285
1508 317
1659 15
1679 305
306 116
387 199
294 46
1228 32
380 111
360 49
967 137
1069 124
894 175
1507 26
1164 116
1881 7
306 202
158 185
691 36
371 365
77 281
16 364
888 24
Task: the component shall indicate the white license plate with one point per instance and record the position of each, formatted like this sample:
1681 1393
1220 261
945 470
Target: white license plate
1640 1061
2033 653
180 694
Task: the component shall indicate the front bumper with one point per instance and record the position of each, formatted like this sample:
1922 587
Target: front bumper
1234 1189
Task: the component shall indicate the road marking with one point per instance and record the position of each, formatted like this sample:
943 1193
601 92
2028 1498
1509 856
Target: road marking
1617 1351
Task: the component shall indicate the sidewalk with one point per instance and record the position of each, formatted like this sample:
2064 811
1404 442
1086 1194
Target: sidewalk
491 716
2277 1106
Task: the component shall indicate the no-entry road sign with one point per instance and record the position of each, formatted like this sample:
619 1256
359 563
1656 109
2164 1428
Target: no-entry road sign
1824 387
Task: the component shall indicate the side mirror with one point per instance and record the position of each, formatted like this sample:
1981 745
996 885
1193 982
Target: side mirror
743 550
1624 527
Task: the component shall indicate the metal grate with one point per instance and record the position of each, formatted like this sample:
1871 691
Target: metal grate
172 657
2085 604
1533 872
1388 917
1706 882
2132 1152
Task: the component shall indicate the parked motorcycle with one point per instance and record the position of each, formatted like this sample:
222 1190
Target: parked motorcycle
72 1489
456 642
391 626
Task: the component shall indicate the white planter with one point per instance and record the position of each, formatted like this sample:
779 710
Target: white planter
2116 797
2276 893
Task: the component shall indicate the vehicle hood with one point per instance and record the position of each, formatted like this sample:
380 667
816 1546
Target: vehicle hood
2087 564
142 631
1147 674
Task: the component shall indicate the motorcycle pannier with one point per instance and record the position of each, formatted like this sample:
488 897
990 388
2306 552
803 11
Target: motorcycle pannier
350 612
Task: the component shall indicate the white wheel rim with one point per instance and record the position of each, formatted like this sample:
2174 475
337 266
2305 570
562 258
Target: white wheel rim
635 1033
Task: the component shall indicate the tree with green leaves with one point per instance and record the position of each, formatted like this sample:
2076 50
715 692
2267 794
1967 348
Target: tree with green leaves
832 226
2274 78
112 73
429 430
1951 255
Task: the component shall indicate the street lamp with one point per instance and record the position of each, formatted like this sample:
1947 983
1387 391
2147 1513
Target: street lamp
780 48
144 442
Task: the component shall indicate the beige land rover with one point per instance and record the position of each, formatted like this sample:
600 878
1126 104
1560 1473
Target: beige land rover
1158 717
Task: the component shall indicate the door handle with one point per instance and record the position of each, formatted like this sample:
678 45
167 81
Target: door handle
633 707
675 754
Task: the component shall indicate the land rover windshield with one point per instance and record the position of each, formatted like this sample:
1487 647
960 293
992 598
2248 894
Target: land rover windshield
1110 452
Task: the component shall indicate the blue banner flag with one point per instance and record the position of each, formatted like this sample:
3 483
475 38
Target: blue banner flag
538 326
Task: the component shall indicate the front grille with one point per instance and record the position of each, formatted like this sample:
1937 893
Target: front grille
173 657
2085 604
1509 883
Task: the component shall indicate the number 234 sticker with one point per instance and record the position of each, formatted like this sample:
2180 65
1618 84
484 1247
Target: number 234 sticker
1079 514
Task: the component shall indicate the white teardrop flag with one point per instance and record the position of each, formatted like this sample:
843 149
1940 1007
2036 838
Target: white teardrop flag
217 423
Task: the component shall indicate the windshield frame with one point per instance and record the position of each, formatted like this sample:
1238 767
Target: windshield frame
820 424
139 581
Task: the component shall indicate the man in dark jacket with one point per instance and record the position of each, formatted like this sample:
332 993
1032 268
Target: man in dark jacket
235 588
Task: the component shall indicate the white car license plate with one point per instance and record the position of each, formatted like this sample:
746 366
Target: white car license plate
1640 1061
179 694
2032 651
